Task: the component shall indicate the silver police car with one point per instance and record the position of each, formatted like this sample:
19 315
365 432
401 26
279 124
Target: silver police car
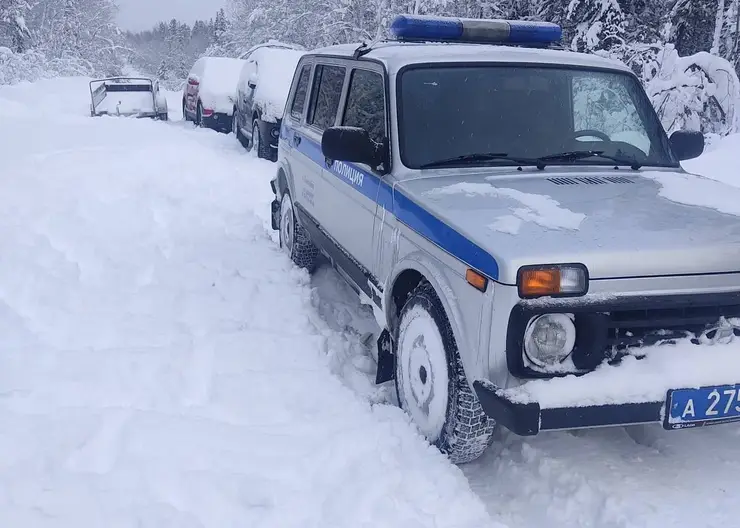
490 195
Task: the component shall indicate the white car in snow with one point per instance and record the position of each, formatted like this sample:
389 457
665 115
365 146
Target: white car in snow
261 94
129 96
527 247
210 92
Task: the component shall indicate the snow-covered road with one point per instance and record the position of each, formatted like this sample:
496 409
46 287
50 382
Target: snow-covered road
162 363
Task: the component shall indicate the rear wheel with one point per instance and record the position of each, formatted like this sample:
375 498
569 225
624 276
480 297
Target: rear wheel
199 115
294 239
431 383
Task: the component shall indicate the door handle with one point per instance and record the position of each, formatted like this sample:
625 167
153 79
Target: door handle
296 140
328 162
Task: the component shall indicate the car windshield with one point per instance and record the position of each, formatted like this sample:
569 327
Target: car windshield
498 114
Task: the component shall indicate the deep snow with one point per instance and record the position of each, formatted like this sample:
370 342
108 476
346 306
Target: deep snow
163 364
161 361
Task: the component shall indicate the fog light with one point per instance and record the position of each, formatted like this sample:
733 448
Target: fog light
549 339
275 132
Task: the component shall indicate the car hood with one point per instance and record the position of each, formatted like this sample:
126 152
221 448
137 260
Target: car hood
619 223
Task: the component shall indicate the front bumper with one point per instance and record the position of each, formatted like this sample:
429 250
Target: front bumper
270 132
528 419
680 385
219 122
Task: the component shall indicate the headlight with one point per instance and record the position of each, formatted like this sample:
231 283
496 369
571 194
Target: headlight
549 339
557 280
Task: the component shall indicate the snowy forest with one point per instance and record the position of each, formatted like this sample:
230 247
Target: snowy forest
171 48
687 52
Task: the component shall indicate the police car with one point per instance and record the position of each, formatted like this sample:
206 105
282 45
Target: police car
490 195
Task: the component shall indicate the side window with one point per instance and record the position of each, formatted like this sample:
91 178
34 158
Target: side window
327 90
366 104
299 99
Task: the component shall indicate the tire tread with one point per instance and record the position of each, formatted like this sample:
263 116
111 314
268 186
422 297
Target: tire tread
468 431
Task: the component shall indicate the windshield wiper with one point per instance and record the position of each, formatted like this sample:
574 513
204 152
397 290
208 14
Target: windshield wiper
581 154
484 156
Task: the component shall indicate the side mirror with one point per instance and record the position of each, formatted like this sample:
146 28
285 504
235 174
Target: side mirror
351 144
687 144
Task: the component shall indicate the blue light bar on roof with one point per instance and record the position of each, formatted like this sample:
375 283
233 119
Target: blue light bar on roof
453 29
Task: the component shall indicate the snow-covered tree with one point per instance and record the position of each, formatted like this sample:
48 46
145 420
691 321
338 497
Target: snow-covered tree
13 27
698 92
691 25
169 49
596 24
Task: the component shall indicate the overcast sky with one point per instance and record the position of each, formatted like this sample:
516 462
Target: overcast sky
143 14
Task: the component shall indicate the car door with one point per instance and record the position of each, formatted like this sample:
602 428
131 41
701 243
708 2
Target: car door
193 86
326 92
244 96
299 154
352 188
250 86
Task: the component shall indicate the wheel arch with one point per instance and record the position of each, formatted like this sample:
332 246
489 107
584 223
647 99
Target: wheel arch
406 275
283 181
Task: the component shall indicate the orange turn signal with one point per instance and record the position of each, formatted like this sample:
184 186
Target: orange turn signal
559 280
536 282
476 280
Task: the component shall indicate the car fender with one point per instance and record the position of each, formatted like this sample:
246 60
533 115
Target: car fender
283 167
435 272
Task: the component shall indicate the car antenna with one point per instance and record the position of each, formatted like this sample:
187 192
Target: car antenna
365 48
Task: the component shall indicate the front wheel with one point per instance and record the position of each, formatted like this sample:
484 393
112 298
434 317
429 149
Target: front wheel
431 383
294 239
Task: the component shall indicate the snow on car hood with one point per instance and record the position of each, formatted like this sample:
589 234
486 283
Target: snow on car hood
618 223
218 85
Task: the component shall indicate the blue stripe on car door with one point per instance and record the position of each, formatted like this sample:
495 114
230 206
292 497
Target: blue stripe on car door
409 213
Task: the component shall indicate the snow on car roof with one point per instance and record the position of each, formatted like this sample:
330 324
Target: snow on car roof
271 44
218 86
276 67
396 54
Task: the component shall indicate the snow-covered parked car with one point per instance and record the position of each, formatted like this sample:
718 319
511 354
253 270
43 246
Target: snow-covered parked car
128 97
262 90
520 222
210 92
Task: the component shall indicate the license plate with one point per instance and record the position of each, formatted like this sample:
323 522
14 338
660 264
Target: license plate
686 408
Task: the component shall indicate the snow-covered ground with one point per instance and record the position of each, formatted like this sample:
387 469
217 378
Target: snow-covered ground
161 361
163 364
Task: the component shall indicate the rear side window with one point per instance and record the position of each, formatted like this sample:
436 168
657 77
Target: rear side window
366 104
299 99
327 90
